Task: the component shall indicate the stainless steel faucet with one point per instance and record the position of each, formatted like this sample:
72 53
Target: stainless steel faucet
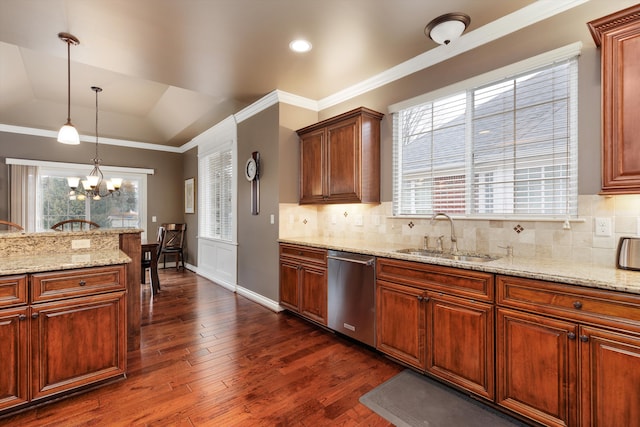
454 239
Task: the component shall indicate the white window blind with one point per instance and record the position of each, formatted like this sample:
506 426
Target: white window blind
216 188
507 147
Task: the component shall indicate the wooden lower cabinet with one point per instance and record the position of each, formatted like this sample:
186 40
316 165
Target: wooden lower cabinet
77 342
536 367
609 378
446 334
13 357
568 355
73 336
303 281
400 320
460 342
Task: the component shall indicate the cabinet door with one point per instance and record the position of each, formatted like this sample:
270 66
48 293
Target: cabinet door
77 342
400 317
610 378
13 356
289 293
313 293
460 343
343 179
312 167
537 367
619 37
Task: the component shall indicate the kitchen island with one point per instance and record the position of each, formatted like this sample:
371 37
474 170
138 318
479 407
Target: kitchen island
63 312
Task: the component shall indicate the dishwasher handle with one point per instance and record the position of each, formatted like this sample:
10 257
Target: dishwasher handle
368 262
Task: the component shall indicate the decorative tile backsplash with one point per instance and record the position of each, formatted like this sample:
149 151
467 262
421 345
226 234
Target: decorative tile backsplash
543 239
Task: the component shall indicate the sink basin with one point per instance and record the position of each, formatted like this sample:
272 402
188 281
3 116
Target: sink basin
469 258
420 252
454 257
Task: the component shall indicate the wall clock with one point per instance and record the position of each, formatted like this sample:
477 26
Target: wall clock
252 173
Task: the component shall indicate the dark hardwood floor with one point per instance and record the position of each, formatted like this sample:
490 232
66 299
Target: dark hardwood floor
212 358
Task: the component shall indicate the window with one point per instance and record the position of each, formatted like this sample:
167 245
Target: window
505 147
50 202
216 194
120 210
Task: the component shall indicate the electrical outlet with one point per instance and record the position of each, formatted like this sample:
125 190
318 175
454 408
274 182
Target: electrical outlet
358 220
81 244
603 227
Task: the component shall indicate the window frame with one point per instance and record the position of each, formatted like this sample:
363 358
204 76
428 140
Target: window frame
466 89
78 169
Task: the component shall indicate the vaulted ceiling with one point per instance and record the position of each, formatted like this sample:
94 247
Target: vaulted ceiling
171 69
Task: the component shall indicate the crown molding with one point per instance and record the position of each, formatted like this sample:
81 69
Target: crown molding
528 15
88 138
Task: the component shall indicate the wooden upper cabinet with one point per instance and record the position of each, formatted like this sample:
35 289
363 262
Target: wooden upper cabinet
340 159
618 36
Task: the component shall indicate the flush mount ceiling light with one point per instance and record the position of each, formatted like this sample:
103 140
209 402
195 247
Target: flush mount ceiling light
300 45
95 186
68 134
447 28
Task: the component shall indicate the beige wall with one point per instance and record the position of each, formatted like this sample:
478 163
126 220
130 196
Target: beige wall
257 238
553 33
190 170
164 186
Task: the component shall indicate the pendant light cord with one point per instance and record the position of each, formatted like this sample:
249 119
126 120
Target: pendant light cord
68 81
96 89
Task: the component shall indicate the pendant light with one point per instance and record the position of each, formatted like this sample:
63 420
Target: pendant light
68 133
447 28
95 186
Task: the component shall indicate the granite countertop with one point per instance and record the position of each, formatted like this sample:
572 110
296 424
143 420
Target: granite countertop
593 276
21 264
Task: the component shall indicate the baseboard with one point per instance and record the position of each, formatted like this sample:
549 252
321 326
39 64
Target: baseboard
247 293
260 299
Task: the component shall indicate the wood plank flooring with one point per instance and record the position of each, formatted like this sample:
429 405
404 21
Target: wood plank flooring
212 358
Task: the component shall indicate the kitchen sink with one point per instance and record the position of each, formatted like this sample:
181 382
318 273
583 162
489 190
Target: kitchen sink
454 257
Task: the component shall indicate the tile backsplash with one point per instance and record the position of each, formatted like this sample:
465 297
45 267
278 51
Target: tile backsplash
543 239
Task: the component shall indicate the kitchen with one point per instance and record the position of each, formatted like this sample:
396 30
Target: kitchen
262 130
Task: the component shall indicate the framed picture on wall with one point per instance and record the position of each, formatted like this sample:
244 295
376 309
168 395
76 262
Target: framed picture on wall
190 195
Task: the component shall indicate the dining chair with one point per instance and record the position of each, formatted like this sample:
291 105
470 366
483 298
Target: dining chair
75 225
173 243
11 225
149 261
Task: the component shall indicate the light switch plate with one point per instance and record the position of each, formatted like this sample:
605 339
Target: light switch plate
603 227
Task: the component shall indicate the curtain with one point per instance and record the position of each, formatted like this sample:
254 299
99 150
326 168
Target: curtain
22 195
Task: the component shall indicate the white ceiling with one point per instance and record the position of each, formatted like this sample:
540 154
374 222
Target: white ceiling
171 69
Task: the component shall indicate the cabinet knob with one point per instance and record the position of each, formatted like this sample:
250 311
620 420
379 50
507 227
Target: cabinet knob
584 338
35 315
577 305
571 335
82 283
22 317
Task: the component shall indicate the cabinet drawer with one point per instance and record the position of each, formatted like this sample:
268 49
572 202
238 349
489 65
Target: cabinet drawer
465 283
304 254
572 302
84 281
13 290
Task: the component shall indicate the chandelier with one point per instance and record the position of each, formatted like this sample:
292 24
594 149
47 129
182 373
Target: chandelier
95 186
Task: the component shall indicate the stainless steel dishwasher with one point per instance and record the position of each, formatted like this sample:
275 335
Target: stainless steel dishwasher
351 295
